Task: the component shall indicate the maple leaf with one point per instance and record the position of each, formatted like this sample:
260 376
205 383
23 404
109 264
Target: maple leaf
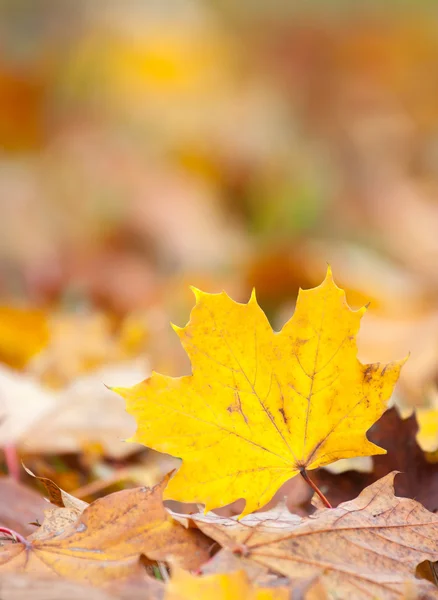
261 406
368 547
105 543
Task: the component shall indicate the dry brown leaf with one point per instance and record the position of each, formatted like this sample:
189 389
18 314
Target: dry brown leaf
56 520
106 542
418 478
276 518
14 586
57 496
368 546
225 561
20 506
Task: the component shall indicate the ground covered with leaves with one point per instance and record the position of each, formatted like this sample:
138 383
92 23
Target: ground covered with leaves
202 162
259 408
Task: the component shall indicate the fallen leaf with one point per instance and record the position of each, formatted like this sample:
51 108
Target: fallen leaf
261 406
221 586
23 402
274 519
57 496
225 561
40 420
56 521
418 478
23 333
84 412
107 540
367 547
20 506
63 511
16 586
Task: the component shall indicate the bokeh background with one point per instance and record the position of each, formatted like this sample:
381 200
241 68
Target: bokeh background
146 146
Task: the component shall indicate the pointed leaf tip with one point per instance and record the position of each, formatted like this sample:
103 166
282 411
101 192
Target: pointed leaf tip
177 329
363 309
196 292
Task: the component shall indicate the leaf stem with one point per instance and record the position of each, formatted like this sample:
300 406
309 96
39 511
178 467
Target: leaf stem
315 488
14 535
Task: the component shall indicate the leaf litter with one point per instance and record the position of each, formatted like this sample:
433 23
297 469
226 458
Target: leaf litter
259 408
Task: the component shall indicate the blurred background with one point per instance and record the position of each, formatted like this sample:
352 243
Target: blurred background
149 145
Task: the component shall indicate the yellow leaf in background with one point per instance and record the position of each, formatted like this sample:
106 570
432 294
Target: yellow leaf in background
261 406
427 436
23 333
221 586
79 344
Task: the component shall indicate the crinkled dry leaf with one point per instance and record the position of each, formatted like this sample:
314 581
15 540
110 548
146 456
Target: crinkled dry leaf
261 406
56 520
57 496
106 542
274 519
367 547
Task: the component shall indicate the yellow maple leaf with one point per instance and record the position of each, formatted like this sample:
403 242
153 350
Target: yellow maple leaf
219 586
260 407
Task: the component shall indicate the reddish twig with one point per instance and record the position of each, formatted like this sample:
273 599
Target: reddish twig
16 537
315 488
